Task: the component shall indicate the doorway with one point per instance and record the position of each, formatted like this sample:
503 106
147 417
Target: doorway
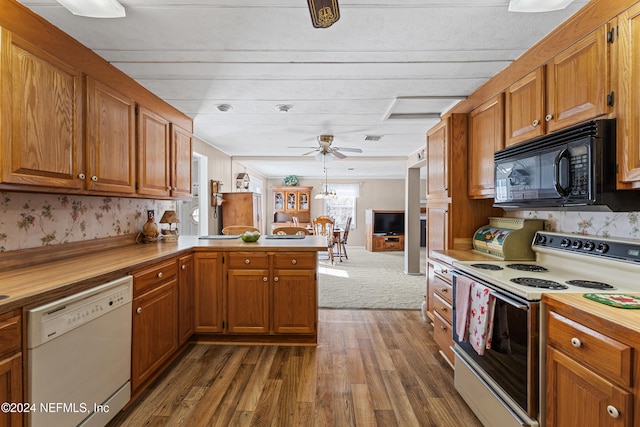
193 212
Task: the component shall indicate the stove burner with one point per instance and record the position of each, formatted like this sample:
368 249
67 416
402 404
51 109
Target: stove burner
589 284
528 267
487 267
538 283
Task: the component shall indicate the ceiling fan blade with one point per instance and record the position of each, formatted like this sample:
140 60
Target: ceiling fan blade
338 154
290 146
349 150
310 152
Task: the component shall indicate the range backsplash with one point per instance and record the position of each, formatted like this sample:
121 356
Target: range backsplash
30 220
606 224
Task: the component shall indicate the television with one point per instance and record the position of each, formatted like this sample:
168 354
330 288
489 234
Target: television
388 223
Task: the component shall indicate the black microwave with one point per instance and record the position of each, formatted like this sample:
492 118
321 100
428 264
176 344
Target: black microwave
574 167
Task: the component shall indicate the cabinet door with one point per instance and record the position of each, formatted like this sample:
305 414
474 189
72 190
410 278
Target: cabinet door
577 397
181 162
486 136
153 154
278 200
186 275
41 104
292 201
248 301
294 302
110 140
437 227
11 389
208 296
155 332
438 160
304 204
628 114
578 82
524 108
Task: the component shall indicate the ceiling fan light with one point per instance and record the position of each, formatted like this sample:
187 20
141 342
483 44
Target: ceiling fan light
94 8
537 5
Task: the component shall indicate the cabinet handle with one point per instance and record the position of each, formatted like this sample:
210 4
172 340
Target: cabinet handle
81 176
94 178
247 261
275 279
265 279
613 411
444 290
444 271
443 308
160 275
294 262
576 342
444 328
548 117
535 123
139 310
184 267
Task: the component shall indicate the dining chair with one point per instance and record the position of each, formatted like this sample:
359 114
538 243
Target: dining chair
238 229
290 231
342 240
323 226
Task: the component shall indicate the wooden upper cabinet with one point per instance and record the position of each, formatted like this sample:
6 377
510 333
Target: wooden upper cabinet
627 105
524 108
110 142
41 104
486 136
153 154
438 160
578 82
181 162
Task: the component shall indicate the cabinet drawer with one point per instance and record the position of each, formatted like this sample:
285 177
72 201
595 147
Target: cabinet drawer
443 336
392 243
10 333
248 260
443 289
294 260
153 276
443 308
604 355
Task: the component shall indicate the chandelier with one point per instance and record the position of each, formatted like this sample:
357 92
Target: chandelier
326 194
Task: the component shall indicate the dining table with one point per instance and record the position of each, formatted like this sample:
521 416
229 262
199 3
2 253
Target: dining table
337 235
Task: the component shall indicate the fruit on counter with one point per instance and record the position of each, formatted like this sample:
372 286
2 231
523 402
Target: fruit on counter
250 236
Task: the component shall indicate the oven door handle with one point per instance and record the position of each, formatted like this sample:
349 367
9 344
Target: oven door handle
512 302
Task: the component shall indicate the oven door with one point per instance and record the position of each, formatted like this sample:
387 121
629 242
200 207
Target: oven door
512 362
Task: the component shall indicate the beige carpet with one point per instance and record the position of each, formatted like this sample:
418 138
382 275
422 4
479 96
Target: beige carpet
370 280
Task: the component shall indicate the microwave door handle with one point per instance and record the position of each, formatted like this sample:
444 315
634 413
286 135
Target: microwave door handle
562 173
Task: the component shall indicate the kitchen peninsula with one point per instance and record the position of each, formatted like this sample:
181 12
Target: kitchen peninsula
215 290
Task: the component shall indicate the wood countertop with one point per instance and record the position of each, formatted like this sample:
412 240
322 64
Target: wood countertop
39 283
451 255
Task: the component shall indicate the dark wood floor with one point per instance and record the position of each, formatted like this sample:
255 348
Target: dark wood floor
371 367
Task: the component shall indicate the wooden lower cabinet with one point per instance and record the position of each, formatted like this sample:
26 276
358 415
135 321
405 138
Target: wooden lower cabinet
248 301
387 243
11 366
295 306
208 287
591 369
155 320
439 307
186 319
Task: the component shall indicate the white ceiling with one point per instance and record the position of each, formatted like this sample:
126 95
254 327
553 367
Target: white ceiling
382 57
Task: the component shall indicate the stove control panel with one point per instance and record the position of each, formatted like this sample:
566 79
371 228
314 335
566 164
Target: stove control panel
619 249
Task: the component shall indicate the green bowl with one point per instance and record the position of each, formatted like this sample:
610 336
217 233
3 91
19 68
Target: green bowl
250 237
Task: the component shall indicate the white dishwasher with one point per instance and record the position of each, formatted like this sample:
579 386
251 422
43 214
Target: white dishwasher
79 355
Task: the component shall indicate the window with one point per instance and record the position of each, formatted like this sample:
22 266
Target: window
344 206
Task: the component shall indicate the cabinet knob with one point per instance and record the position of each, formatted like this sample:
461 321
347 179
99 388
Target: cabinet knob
294 262
247 261
576 342
613 411
160 275
275 279
139 310
548 117
81 176
184 267
535 123
444 290
443 308
444 328
94 178
265 279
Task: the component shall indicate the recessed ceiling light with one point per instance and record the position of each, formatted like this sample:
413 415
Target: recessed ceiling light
224 107
537 5
94 8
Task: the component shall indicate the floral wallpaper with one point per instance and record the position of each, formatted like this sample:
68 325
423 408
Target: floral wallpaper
624 225
29 220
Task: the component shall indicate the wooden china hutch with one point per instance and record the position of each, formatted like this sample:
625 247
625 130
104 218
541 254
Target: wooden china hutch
289 203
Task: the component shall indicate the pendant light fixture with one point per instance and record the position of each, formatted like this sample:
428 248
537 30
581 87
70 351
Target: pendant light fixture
324 13
326 194
94 8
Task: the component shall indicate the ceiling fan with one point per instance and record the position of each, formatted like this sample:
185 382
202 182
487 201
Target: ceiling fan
324 148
